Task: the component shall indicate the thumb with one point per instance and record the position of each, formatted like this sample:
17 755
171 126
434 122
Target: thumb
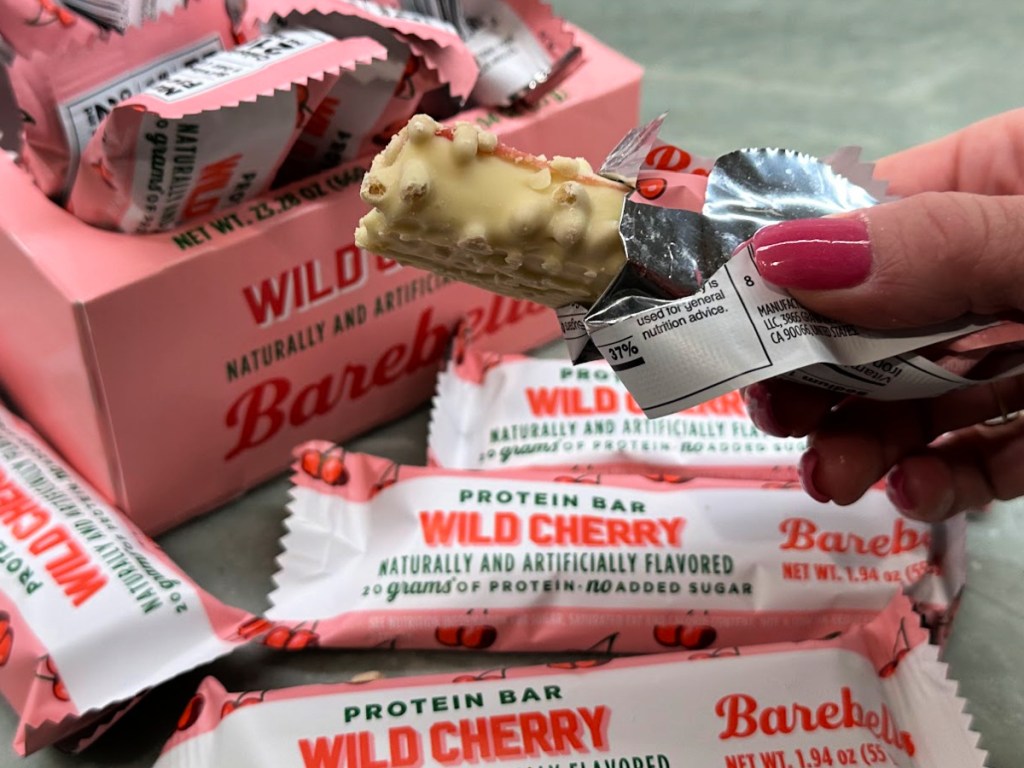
923 260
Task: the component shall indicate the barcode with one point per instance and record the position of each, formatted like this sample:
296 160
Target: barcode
446 10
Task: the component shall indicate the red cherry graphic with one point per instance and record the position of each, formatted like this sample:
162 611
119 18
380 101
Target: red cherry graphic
583 479
900 648
245 700
310 462
717 653
328 466
283 638
49 672
476 637
581 664
651 189
6 637
664 477
388 478
690 638
490 674
193 710
333 471
254 627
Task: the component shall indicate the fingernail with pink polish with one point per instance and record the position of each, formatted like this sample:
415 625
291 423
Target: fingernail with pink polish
814 254
758 400
897 491
805 469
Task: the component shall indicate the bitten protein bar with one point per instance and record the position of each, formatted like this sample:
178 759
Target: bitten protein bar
453 200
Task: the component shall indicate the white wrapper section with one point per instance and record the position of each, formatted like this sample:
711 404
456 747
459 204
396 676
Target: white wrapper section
876 697
494 411
377 554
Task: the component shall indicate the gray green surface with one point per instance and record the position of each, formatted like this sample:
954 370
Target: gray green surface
805 75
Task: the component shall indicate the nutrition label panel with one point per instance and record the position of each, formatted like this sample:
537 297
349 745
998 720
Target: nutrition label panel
739 330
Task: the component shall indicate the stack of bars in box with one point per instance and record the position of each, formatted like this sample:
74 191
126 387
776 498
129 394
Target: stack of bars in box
694 605
141 116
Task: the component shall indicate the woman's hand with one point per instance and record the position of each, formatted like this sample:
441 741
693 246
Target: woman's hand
954 245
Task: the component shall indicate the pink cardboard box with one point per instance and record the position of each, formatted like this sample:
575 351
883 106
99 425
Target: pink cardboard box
177 370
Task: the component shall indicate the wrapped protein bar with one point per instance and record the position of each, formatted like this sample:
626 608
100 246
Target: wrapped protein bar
522 47
434 43
411 557
92 613
366 107
65 94
212 135
877 695
656 289
493 411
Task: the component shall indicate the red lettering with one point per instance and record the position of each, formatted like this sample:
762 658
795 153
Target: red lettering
81 585
406 747
542 401
320 120
269 300
213 178
439 748
258 413
803 534
738 710
350 262
321 753
315 291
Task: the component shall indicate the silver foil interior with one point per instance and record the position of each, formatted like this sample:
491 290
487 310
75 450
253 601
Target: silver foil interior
669 253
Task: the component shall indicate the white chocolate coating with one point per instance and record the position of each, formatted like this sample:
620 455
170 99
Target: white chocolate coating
456 203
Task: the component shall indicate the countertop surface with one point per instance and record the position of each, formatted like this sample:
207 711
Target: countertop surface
732 73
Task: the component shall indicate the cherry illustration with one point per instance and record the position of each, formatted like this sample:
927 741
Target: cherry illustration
49 672
296 638
583 479
900 648
193 710
328 466
490 674
604 646
477 637
50 12
6 637
254 627
388 478
689 637
666 477
243 700
651 189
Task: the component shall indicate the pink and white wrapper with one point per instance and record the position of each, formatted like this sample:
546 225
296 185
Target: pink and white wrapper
66 92
378 555
212 136
366 107
435 43
92 612
494 411
877 695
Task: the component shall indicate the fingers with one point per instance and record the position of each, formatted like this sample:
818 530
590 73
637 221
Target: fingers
916 262
967 470
855 444
787 409
985 158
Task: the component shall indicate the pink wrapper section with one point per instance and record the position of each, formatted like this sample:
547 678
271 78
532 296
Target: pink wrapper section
92 613
495 411
671 177
213 135
379 555
364 108
67 93
877 695
435 42
43 25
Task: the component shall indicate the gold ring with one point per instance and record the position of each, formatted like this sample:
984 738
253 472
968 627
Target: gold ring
1006 416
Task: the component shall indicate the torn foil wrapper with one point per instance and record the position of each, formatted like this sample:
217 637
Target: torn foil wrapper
689 317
